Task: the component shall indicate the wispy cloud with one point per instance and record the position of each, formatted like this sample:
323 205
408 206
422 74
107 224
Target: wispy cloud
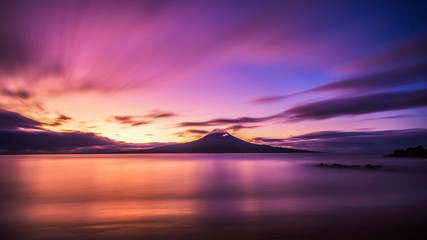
410 49
138 120
12 121
191 132
371 103
226 121
61 119
400 65
395 77
19 134
264 100
336 107
352 142
399 76
23 94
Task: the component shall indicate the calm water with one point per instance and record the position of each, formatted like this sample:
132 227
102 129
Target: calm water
211 196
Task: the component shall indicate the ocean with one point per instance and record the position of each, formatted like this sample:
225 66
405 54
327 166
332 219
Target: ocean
211 196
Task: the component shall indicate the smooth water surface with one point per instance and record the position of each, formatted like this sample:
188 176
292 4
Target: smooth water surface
211 196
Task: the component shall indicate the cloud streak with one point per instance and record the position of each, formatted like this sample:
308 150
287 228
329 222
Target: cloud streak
400 65
138 120
371 103
61 119
337 107
352 142
13 121
226 121
402 76
19 134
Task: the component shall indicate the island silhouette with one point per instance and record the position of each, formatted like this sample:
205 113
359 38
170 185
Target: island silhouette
416 152
218 141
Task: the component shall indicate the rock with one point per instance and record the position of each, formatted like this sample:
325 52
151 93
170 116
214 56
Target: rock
418 152
371 167
337 165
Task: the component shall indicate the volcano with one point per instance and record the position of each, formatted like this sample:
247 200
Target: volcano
219 141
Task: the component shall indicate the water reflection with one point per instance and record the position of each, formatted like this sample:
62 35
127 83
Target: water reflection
53 195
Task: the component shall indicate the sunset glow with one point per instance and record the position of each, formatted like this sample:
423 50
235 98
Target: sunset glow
145 73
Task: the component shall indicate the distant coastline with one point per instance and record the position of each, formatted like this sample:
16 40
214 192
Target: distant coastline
415 152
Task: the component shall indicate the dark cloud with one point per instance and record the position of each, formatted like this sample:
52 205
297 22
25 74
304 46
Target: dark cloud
19 134
354 141
161 115
400 65
61 119
390 117
123 119
330 134
134 121
18 141
11 120
267 140
44 141
416 73
395 77
337 107
191 132
225 121
358 105
197 131
238 127
265 100
408 50
23 94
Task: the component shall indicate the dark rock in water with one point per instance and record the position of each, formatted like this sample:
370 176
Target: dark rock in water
369 166
337 165
418 152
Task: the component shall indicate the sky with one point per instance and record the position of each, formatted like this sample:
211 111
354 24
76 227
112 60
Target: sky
92 76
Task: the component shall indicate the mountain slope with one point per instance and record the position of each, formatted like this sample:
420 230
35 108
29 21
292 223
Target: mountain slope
219 142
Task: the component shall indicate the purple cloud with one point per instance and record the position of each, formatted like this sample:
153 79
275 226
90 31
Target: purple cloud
238 127
18 135
336 107
352 142
61 119
133 121
226 121
408 50
270 99
371 103
411 74
267 140
22 94
401 64
18 142
12 121
157 115
192 132
137 120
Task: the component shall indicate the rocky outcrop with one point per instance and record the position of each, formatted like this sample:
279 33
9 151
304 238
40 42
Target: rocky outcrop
417 152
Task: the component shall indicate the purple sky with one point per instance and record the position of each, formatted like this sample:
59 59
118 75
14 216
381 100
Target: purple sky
96 75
